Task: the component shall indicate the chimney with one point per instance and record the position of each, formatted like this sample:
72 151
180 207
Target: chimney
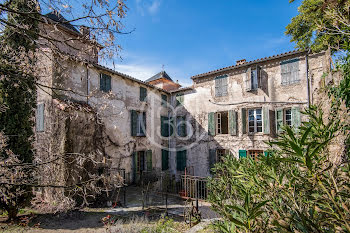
240 62
85 31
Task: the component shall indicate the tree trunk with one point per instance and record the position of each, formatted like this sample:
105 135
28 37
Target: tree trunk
12 212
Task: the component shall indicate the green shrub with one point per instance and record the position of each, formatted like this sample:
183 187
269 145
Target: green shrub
295 189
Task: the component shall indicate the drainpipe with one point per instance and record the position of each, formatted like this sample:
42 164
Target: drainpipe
307 77
87 84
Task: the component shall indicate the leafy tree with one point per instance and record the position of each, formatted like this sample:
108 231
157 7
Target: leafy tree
321 24
18 94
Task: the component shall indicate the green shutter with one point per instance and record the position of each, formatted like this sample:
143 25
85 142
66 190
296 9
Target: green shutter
133 122
212 158
108 85
244 120
149 160
267 153
102 83
143 94
181 160
279 120
232 119
143 126
179 99
164 126
134 163
211 123
164 100
266 120
296 121
242 153
165 160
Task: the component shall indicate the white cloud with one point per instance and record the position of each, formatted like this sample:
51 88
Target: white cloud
150 6
154 7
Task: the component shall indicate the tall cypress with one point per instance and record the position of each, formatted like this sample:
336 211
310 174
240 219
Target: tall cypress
18 94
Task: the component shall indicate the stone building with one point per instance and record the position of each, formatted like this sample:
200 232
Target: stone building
84 107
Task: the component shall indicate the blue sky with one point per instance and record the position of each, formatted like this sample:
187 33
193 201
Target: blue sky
190 37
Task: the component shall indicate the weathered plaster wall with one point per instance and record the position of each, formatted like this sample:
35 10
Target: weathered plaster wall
201 100
113 109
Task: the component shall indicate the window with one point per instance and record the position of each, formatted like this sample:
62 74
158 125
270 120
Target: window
221 86
40 117
181 126
138 123
164 100
290 71
288 117
164 126
252 80
255 154
220 153
105 82
179 99
141 122
140 161
222 123
181 160
255 120
143 94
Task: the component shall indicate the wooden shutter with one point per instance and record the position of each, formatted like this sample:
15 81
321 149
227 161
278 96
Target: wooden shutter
102 82
143 126
164 100
133 122
248 80
279 120
40 117
221 86
266 120
108 85
232 121
149 160
259 76
165 160
244 120
211 124
242 153
181 160
143 94
296 121
181 126
212 158
134 163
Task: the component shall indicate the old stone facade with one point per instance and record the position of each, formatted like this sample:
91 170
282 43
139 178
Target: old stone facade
137 126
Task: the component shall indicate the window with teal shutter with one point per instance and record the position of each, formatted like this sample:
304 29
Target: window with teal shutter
266 120
232 118
244 120
279 120
221 86
242 153
143 94
290 71
105 82
165 160
181 160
